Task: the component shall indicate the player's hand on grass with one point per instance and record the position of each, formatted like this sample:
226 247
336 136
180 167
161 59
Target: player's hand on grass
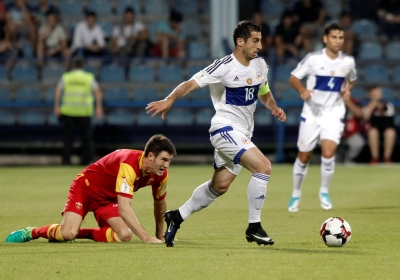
278 113
159 106
306 94
151 239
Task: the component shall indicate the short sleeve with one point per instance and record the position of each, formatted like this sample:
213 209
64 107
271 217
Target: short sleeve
116 32
212 74
125 180
303 68
160 190
352 76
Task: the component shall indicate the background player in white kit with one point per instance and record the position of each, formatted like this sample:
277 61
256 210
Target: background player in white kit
331 76
235 81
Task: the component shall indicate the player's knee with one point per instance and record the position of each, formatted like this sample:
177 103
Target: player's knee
264 167
125 235
68 234
222 187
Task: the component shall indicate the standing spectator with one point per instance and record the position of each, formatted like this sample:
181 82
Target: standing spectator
8 52
353 130
76 109
266 38
131 36
288 40
170 41
380 117
52 42
310 15
88 38
389 17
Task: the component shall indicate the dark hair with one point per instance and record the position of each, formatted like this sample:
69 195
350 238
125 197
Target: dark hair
77 62
332 26
243 30
157 144
129 10
90 14
175 16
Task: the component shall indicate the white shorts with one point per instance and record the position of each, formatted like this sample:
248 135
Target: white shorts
229 147
310 134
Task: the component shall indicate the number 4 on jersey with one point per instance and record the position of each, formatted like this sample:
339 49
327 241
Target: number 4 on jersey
331 84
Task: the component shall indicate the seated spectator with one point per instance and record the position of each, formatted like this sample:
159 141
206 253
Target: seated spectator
39 11
379 115
88 40
288 40
266 40
353 131
170 41
389 17
8 52
345 21
130 38
52 41
310 16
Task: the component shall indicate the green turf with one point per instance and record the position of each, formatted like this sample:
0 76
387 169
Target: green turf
211 243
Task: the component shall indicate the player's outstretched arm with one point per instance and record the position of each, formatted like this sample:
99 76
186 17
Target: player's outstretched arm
160 207
163 106
129 217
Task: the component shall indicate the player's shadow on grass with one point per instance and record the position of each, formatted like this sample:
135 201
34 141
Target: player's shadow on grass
331 250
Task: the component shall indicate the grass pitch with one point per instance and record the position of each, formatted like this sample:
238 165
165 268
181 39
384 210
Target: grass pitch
211 244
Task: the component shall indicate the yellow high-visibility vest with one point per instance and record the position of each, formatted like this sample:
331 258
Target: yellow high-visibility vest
77 99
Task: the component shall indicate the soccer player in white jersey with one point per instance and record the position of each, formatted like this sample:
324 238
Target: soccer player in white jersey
235 82
331 76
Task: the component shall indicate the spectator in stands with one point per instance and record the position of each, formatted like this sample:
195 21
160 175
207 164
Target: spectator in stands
52 41
310 16
130 38
345 21
88 40
379 115
353 130
75 109
389 16
266 37
40 10
170 41
20 21
8 52
288 40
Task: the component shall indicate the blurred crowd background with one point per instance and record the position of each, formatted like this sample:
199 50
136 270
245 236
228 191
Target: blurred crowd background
139 50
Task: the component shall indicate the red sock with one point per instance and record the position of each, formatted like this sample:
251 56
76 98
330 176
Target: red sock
52 232
104 234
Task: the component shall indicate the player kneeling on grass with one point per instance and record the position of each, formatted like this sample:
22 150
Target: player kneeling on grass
106 188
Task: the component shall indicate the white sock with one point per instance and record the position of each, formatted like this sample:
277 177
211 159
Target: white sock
299 173
256 195
202 196
327 170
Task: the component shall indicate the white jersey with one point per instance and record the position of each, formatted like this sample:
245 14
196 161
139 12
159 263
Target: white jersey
234 90
326 78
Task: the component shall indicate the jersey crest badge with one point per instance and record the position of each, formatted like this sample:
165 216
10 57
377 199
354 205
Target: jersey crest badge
245 140
249 81
78 205
258 75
